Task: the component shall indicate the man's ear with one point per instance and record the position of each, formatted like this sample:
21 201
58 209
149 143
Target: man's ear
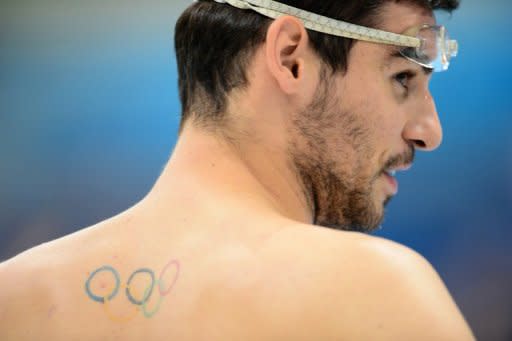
286 47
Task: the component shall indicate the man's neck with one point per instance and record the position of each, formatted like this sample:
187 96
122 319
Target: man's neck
251 175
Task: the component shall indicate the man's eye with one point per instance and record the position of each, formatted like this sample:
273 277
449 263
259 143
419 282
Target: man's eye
403 78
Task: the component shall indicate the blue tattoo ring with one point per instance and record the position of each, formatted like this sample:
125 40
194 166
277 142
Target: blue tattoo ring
102 299
147 292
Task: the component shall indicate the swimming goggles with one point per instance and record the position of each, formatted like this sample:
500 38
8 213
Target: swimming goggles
426 45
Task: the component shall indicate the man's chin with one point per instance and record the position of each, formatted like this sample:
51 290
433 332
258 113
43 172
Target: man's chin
388 200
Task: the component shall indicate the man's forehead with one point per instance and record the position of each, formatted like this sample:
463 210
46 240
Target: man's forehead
399 17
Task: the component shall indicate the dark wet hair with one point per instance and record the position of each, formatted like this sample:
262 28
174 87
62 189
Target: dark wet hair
214 44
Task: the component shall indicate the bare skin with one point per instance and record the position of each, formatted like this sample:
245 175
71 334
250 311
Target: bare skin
227 232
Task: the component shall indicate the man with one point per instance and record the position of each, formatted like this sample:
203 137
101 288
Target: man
290 138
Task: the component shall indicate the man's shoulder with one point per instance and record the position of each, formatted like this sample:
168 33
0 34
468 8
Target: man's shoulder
336 247
36 287
366 287
23 297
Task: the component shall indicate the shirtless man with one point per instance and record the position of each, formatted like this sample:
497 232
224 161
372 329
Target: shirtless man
286 154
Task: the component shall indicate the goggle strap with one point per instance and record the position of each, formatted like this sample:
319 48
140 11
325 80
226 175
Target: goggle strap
319 23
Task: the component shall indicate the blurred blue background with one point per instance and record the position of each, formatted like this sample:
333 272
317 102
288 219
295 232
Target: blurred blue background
89 113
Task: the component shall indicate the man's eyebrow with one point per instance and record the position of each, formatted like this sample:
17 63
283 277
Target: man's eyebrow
395 53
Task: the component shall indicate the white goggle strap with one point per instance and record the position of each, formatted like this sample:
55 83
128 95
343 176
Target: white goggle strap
319 23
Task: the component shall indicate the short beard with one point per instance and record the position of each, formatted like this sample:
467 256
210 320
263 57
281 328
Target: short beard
336 205
339 199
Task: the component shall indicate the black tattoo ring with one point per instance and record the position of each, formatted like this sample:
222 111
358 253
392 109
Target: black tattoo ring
147 292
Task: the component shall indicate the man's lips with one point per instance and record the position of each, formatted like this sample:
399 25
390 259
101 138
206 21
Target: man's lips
390 173
393 184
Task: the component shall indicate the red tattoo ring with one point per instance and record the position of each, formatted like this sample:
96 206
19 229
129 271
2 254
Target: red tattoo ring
165 292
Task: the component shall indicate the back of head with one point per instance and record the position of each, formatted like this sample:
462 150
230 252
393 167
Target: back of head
215 42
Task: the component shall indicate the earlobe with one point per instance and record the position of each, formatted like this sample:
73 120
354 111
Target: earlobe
286 45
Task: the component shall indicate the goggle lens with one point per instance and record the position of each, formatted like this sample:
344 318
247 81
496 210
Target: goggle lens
436 48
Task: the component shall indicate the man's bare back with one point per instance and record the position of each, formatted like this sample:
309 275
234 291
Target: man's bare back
222 277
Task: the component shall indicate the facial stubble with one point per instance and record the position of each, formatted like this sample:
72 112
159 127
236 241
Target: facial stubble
330 154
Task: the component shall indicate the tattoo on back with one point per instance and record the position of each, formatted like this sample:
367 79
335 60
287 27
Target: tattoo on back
144 292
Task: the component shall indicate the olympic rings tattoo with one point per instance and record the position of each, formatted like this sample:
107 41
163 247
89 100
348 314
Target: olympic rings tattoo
140 303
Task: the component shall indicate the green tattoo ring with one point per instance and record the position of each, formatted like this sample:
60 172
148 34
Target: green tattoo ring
149 314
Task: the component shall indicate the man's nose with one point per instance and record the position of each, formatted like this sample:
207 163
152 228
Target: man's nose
423 128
